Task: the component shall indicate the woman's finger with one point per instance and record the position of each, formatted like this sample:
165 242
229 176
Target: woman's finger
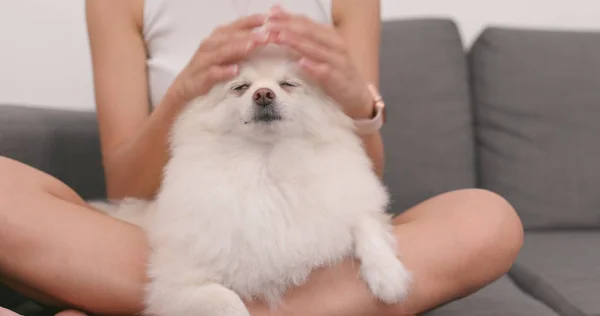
219 40
233 52
216 74
310 49
320 71
193 85
276 8
245 23
309 30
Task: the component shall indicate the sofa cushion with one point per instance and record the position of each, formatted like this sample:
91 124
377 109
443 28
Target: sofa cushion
537 97
428 137
62 143
499 298
568 266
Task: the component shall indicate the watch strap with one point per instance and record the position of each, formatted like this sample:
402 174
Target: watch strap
374 124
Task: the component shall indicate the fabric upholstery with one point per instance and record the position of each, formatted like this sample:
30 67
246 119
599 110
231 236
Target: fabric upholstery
538 288
61 143
537 107
568 263
428 136
501 298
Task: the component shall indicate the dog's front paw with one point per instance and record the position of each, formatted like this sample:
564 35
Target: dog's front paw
388 279
234 309
190 300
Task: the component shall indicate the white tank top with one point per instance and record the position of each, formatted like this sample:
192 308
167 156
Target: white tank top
173 29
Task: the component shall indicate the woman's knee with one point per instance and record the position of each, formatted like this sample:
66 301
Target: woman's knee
15 175
20 186
8 195
499 221
19 182
8 176
15 180
495 231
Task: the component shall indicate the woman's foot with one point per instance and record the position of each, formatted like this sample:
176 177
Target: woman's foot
6 312
69 313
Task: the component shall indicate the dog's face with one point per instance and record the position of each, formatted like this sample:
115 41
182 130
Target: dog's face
270 99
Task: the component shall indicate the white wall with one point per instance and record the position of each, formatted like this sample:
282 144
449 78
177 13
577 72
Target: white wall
44 58
473 15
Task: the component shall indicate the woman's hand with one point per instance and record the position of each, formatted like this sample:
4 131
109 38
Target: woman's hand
325 58
216 57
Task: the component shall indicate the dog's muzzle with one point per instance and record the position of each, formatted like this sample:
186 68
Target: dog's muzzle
263 97
265 109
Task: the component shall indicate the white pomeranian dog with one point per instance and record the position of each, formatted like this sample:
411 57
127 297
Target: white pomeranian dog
267 181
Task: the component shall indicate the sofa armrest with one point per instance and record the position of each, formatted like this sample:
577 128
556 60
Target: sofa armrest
62 143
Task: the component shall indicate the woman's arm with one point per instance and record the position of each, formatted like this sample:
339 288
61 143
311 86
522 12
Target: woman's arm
359 23
344 58
135 142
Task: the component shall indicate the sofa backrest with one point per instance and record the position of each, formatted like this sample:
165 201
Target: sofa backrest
428 137
537 101
61 143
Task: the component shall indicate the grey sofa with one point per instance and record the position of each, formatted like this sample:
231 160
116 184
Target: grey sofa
517 113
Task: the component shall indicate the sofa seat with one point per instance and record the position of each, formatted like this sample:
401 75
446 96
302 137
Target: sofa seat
563 268
501 298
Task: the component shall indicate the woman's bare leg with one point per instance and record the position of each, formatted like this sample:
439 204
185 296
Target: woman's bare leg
52 242
454 244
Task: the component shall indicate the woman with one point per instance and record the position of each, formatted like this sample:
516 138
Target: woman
162 53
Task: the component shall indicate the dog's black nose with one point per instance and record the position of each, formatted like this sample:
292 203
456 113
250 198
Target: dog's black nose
263 96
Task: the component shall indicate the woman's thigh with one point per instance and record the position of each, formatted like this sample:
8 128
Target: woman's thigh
51 241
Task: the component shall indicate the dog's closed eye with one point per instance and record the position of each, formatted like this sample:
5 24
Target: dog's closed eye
241 87
288 85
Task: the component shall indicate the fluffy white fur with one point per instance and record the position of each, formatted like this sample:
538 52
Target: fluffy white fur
248 208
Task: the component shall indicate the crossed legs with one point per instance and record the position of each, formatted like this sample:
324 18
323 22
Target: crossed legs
54 248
